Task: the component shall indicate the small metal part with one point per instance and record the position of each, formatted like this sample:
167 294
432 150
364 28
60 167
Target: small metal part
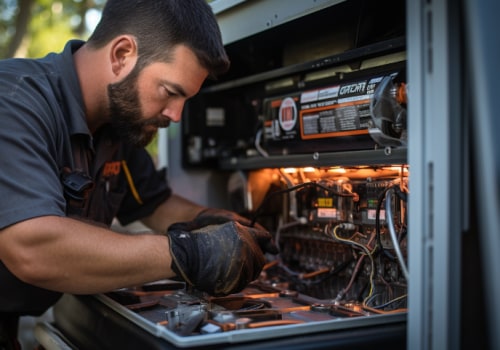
223 317
210 328
242 323
289 293
320 307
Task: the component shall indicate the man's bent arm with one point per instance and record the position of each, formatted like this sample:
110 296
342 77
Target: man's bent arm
66 255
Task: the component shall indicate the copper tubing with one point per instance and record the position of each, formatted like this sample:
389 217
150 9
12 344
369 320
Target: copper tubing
273 323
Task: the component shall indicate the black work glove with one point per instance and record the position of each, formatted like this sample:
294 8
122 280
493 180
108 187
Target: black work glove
217 259
215 216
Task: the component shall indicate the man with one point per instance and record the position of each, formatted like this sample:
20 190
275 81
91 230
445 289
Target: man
72 130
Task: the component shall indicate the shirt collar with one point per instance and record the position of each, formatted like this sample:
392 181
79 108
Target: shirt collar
70 91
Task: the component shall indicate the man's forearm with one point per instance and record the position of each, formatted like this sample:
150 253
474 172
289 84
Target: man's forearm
67 255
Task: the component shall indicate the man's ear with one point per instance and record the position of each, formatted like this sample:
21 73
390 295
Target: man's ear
123 54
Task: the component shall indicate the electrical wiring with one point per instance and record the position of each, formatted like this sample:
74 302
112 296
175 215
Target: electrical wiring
258 147
300 275
387 285
365 249
395 242
379 245
364 244
293 200
344 291
369 297
381 199
295 188
392 301
377 309
324 273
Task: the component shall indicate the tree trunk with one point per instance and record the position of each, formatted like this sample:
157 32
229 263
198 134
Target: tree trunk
22 21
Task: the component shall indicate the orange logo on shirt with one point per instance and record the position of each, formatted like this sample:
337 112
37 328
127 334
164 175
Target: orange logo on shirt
111 169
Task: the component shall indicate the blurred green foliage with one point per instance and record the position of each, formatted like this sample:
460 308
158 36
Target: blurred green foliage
33 28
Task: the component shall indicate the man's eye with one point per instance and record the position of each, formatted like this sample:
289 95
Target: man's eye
167 92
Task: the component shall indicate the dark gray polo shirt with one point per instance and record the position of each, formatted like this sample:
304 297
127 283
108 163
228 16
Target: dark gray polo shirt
41 117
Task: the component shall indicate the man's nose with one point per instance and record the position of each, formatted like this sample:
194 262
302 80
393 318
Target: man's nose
174 110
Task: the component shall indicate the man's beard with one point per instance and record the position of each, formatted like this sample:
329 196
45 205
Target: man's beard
126 115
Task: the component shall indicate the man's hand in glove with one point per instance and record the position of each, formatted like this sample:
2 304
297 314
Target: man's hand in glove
215 216
218 259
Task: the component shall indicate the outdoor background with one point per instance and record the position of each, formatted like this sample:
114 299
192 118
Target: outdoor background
33 28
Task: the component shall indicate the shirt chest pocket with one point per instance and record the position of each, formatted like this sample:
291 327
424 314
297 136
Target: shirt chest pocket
108 194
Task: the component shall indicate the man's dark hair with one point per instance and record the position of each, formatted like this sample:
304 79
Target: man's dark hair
161 25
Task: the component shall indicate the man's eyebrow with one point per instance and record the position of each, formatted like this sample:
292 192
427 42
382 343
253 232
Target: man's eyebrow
177 89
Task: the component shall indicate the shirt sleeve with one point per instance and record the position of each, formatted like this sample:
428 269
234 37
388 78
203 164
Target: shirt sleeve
29 172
